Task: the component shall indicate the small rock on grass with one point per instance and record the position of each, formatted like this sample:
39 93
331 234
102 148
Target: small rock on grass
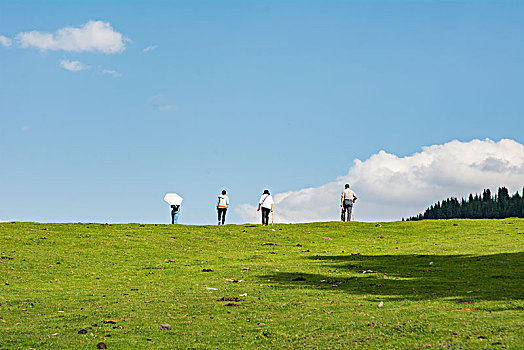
101 346
166 326
234 281
230 299
82 331
232 304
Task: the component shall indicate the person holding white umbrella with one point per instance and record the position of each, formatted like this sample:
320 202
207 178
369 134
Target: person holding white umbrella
175 213
174 201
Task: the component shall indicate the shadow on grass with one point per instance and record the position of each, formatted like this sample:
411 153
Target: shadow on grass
466 278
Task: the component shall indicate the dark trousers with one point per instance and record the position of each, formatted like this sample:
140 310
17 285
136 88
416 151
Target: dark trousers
222 215
347 210
265 216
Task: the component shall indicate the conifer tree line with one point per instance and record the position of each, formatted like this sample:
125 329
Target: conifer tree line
485 206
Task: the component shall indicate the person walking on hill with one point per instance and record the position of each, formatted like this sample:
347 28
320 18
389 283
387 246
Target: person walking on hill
266 203
175 213
222 204
347 200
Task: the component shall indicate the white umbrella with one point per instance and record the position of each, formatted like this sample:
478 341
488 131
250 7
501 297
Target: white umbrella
173 199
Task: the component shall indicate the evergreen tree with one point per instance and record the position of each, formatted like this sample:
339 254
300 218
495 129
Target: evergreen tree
485 206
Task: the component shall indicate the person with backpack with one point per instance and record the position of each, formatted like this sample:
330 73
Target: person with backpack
266 203
175 213
347 200
222 204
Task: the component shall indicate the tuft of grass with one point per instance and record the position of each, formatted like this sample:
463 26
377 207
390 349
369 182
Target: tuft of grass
418 284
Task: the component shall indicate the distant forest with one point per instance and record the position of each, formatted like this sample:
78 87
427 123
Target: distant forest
487 206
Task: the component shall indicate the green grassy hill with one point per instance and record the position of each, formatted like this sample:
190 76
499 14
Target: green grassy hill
425 284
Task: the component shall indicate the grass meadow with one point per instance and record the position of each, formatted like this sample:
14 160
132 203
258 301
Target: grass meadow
402 285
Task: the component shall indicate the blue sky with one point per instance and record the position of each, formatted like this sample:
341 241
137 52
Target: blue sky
242 95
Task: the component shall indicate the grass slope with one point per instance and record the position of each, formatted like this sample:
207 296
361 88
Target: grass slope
449 283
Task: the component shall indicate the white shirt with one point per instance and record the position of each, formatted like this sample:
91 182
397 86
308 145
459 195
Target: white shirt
223 201
348 194
266 201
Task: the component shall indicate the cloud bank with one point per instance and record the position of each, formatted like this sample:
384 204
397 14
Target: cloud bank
73 66
92 36
5 41
391 187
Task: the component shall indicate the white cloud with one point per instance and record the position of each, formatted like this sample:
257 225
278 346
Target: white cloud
92 36
162 104
111 72
391 187
165 108
150 48
5 41
73 66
